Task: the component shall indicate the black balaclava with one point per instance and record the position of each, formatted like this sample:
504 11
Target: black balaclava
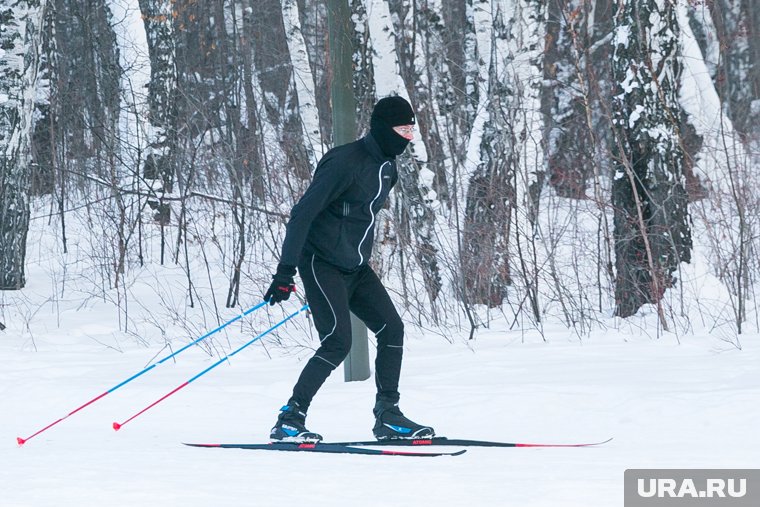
391 112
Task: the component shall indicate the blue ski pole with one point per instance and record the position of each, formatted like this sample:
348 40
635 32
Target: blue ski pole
117 426
22 441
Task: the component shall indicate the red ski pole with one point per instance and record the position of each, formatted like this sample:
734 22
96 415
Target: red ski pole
22 441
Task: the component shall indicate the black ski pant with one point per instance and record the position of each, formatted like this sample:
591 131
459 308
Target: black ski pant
332 294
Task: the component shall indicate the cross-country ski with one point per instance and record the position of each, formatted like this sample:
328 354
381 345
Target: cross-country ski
327 449
460 442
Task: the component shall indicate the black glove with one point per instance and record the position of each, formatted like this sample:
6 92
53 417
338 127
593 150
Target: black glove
282 285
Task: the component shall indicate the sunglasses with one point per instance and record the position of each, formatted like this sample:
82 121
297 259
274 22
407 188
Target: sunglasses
404 130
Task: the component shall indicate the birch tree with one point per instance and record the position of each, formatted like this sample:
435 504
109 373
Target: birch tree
272 59
20 42
422 176
652 229
490 197
158 17
738 70
569 147
43 143
303 79
724 213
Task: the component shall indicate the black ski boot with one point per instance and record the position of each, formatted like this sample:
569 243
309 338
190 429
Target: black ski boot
290 426
390 423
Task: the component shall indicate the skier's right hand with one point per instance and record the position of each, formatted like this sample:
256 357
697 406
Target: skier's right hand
282 285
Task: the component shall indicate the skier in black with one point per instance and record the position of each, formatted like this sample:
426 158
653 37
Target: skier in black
329 239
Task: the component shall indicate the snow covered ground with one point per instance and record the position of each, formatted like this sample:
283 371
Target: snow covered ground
667 405
669 402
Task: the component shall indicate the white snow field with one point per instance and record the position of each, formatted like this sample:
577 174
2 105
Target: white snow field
667 405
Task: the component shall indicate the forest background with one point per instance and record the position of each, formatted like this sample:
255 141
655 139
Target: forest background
586 163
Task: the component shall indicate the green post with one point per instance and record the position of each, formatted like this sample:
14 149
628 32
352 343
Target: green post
340 26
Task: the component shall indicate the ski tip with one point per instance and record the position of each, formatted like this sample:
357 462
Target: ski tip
116 426
588 444
459 453
593 444
20 441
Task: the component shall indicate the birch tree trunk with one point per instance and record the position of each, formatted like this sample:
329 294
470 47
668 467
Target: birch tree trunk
20 42
426 76
303 81
43 143
490 197
158 17
738 77
272 60
569 147
422 175
652 230
725 213
364 73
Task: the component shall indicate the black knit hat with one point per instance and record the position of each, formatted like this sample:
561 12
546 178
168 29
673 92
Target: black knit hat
394 111
391 112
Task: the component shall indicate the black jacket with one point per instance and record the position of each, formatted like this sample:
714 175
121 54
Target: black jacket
335 218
